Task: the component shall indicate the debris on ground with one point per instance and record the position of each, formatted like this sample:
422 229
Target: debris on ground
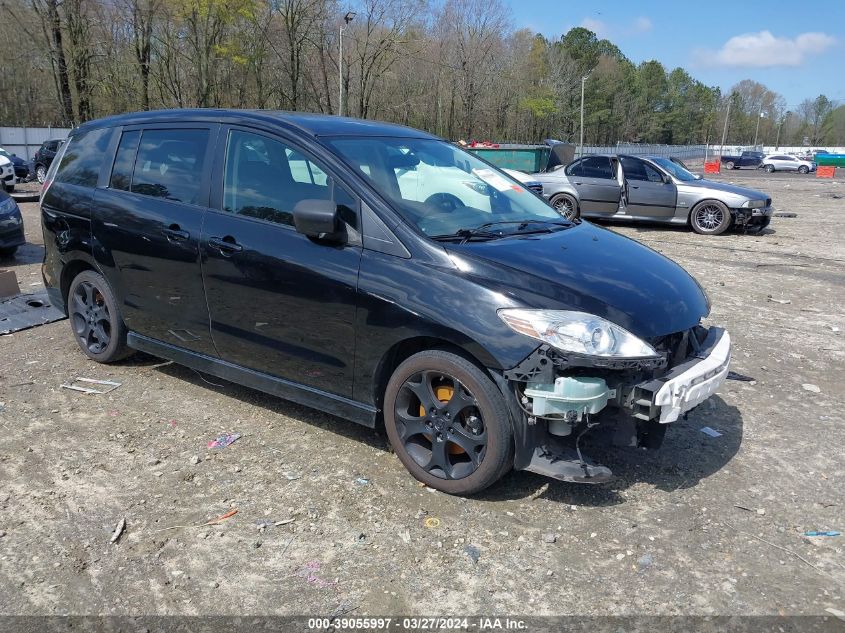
732 375
25 311
224 440
549 538
219 519
783 301
807 386
827 533
645 561
118 531
786 215
361 481
284 522
291 476
111 384
195 459
473 552
711 432
432 523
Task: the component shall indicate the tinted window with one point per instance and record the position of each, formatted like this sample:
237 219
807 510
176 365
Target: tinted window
170 164
121 174
266 179
83 158
591 167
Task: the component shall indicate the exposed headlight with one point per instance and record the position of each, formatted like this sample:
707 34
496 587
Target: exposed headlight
753 204
577 332
7 206
477 187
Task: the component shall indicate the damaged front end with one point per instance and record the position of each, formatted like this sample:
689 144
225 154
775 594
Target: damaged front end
559 396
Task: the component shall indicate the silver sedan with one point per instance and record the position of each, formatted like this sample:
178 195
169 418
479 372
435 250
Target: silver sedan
655 189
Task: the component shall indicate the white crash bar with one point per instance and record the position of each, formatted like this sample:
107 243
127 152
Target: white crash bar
695 385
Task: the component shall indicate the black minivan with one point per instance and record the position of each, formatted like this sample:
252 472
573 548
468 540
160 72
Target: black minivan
378 273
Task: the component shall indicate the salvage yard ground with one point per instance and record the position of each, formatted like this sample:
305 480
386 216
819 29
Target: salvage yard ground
328 521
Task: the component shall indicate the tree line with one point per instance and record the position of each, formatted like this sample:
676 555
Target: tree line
453 67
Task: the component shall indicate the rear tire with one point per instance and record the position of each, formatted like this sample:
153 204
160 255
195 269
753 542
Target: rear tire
566 205
710 217
448 423
95 318
769 168
730 165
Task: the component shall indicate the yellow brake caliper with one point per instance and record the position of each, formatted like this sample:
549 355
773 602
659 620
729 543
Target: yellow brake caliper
443 393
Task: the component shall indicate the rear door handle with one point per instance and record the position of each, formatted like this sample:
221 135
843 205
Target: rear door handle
174 233
225 244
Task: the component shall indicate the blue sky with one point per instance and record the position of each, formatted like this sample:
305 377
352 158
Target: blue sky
794 48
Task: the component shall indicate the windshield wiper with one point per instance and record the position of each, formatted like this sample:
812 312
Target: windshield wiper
465 235
523 225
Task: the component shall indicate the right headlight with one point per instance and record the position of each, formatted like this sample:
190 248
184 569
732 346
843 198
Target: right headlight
578 332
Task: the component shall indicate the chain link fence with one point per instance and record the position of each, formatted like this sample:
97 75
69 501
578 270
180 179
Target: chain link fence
684 152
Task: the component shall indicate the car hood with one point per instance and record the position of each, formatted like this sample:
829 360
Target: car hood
712 185
592 270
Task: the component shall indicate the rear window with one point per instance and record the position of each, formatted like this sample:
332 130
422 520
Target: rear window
170 164
83 158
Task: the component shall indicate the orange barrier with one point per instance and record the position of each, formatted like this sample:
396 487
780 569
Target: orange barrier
713 167
825 172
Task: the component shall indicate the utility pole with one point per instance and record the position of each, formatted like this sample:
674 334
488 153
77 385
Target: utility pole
581 144
782 121
757 129
725 130
346 20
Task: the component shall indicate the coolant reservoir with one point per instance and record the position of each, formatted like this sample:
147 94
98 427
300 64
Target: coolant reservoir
569 395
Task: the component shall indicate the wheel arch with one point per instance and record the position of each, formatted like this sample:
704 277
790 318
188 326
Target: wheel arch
731 210
404 349
69 272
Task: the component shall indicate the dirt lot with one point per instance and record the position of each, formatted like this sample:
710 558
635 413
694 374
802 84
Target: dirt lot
666 537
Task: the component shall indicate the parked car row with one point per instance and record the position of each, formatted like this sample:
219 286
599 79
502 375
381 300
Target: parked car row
14 169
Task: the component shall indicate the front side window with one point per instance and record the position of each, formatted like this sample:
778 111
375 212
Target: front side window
265 179
170 164
439 187
83 158
675 169
636 169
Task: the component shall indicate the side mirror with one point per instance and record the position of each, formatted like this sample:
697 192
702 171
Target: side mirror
666 179
316 218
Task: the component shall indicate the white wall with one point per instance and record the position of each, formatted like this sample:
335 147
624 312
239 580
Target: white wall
25 141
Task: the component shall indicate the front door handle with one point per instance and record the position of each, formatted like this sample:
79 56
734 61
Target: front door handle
174 233
225 244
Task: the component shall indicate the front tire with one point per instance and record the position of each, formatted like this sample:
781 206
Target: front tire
448 423
566 205
710 217
803 169
95 318
8 253
41 174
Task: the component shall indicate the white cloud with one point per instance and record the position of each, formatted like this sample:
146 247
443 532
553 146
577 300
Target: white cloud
642 25
604 30
765 50
596 26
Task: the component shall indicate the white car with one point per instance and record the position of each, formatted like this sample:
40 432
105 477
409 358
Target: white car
7 174
785 162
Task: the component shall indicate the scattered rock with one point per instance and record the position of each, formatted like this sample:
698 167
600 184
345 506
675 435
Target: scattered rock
811 387
549 537
473 552
645 561
761 511
195 459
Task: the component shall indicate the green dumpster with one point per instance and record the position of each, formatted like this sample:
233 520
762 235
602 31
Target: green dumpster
828 160
527 158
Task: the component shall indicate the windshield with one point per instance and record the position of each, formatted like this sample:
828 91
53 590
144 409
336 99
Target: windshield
675 169
442 189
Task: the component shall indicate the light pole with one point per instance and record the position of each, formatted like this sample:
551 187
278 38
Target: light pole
581 144
760 115
725 129
346 20
782 121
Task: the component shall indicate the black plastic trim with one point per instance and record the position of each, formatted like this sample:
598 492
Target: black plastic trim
308 396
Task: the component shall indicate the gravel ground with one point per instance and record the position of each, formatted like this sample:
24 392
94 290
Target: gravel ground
329 522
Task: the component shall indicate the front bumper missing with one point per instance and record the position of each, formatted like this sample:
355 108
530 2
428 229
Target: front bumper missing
688 384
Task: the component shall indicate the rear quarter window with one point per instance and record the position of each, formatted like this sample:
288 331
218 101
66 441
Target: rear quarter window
83 158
